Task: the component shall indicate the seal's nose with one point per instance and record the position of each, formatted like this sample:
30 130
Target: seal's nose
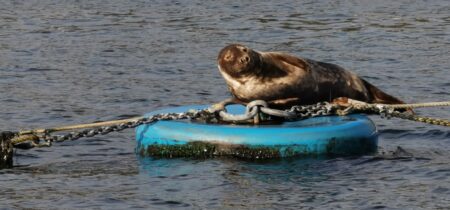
245 59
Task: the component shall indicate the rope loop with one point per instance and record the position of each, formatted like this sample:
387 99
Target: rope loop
255 104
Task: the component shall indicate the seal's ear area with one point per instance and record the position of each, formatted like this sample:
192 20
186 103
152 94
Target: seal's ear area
228 55
226 58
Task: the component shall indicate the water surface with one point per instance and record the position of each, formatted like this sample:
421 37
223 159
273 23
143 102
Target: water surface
65 62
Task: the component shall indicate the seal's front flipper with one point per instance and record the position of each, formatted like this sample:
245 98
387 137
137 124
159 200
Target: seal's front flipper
284 103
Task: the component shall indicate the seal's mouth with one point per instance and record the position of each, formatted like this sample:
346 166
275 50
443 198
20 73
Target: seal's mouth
251 61
245 59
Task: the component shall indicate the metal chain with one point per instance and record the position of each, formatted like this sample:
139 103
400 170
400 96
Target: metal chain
192 114
253 109
252 112
295 113
319 109
413 117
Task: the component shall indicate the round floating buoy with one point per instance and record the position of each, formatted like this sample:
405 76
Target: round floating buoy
330 135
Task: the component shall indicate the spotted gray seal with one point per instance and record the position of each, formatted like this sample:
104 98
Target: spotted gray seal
285 80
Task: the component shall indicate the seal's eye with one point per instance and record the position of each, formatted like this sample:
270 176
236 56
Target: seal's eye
245 49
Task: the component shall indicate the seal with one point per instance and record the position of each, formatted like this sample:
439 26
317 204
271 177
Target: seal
285 80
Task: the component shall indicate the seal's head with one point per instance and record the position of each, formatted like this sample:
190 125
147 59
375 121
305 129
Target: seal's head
238 60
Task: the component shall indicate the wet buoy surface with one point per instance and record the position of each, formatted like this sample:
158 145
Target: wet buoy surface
329 135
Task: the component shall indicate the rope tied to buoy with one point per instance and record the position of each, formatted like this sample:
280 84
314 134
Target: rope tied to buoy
256 112
103 128
391 110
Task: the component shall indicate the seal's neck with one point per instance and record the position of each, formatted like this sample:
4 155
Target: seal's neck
231 81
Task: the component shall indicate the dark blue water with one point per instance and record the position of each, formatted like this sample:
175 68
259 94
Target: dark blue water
65 62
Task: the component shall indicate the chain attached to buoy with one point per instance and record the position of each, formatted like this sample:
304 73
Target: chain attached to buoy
32 137
258 107
256 112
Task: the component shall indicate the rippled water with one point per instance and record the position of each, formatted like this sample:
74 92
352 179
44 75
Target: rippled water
65 62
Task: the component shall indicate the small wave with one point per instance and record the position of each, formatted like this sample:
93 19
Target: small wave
403 133
171 203
399 153
41 69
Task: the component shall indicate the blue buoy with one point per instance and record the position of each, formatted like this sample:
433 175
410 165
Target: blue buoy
330 135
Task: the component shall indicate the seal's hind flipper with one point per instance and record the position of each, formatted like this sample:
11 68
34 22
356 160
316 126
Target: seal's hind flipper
380 97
